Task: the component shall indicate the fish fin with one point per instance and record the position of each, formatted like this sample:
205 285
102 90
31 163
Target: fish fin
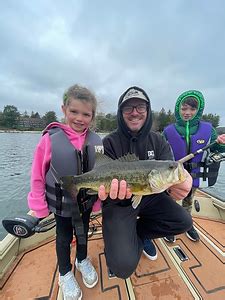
102 159
91 192
128 157
136 200
68 183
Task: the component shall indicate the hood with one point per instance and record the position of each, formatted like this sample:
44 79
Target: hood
68 130
122 127
188 128
201 104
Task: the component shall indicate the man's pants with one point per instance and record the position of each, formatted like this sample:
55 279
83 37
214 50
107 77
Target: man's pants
159 216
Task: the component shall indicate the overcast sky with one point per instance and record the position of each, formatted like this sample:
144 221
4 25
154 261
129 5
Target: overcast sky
107 46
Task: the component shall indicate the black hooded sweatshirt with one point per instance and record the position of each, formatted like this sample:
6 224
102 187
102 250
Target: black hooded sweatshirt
146 144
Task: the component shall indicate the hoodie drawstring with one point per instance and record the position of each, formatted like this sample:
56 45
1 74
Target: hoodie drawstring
187 134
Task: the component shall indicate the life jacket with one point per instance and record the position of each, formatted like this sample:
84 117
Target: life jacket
203 173
66 160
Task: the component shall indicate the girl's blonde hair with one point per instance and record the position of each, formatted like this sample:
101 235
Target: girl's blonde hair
81 93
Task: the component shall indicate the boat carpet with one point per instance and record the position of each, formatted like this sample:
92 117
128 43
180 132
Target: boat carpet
200 276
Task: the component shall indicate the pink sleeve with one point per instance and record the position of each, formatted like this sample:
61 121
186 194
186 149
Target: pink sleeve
36 197
181 190
97 207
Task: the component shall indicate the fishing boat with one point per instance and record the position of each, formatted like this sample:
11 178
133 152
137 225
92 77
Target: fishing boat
183 270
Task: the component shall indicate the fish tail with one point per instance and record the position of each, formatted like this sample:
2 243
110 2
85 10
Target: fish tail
69 184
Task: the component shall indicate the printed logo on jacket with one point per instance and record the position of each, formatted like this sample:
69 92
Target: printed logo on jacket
151 154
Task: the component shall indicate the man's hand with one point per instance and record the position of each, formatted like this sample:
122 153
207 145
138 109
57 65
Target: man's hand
181 190
221 139
118 190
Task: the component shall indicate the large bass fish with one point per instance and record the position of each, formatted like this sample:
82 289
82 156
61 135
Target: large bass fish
144 177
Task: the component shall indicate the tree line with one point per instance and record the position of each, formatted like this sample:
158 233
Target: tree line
11 118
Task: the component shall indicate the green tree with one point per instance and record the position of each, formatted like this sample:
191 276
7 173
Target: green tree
1 119
25 114
170 117
49 117
155 121
10 116
162 119
214 119
106 123
35 115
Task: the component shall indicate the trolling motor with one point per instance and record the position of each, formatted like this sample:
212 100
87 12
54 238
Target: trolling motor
26 226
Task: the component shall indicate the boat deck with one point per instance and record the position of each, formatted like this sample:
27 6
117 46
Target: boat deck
183 270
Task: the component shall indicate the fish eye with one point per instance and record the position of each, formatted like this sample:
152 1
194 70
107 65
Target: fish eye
172 166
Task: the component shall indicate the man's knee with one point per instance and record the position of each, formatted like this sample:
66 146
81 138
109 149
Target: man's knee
122 266
122 269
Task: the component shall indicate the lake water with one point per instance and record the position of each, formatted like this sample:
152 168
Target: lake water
16 155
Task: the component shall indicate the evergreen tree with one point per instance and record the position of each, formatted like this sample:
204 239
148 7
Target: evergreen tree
25 114
162 119
49 117
214 119
10 116
36 115
1 119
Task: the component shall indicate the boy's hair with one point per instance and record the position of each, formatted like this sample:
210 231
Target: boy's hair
80 93
192 101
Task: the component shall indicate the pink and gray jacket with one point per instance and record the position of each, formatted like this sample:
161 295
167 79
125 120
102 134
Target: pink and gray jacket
61 151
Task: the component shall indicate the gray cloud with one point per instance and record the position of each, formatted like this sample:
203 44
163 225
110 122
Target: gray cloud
166 48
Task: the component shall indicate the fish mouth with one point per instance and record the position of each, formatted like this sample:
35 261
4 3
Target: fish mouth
181 173
159 182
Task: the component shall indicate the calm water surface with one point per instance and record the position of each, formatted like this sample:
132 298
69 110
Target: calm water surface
16 155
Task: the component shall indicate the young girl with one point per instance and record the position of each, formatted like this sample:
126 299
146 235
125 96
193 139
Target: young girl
67 149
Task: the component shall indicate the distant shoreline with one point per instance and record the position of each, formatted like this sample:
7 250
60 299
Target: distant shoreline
18 131
219 129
